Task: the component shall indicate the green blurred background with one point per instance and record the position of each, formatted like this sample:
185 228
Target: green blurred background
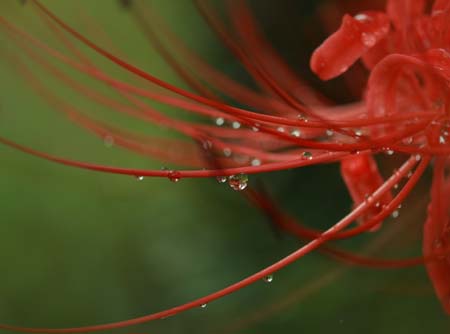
81 247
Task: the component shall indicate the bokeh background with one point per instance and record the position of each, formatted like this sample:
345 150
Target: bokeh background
80 247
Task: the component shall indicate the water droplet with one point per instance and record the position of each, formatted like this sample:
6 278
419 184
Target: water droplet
108 141
238 182
236 125
280 129
418 157
221 179
302 117
174 176
207 144
220 121
268 279
368 40
227 152
395 214
256 162
203 305
255 128
139 177
388 151
362 17
358 133
329 132
407 140
296 133
396 186
307 155
442 140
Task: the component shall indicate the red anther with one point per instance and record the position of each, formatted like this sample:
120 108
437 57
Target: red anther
354 38
362 178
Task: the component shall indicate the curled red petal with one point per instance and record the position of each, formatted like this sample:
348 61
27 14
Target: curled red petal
355 37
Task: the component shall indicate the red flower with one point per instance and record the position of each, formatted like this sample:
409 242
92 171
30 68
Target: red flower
405 110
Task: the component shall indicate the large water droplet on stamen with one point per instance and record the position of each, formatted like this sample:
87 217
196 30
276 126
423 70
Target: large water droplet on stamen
238 182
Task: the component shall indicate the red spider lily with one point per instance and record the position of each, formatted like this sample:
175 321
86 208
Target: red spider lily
405 110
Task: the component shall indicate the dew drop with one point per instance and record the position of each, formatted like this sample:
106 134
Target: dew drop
296 133
256 162
302 117
220 121
442 140
388 151
203 305
236 125
227 152
418 157
307 155
358 133
255 128
362 17
221 179
407 140
174 176
238 182
329 132
207 145
139 177
395 214
280 129
268 279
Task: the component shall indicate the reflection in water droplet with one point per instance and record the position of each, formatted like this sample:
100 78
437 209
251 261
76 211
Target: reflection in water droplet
238 182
